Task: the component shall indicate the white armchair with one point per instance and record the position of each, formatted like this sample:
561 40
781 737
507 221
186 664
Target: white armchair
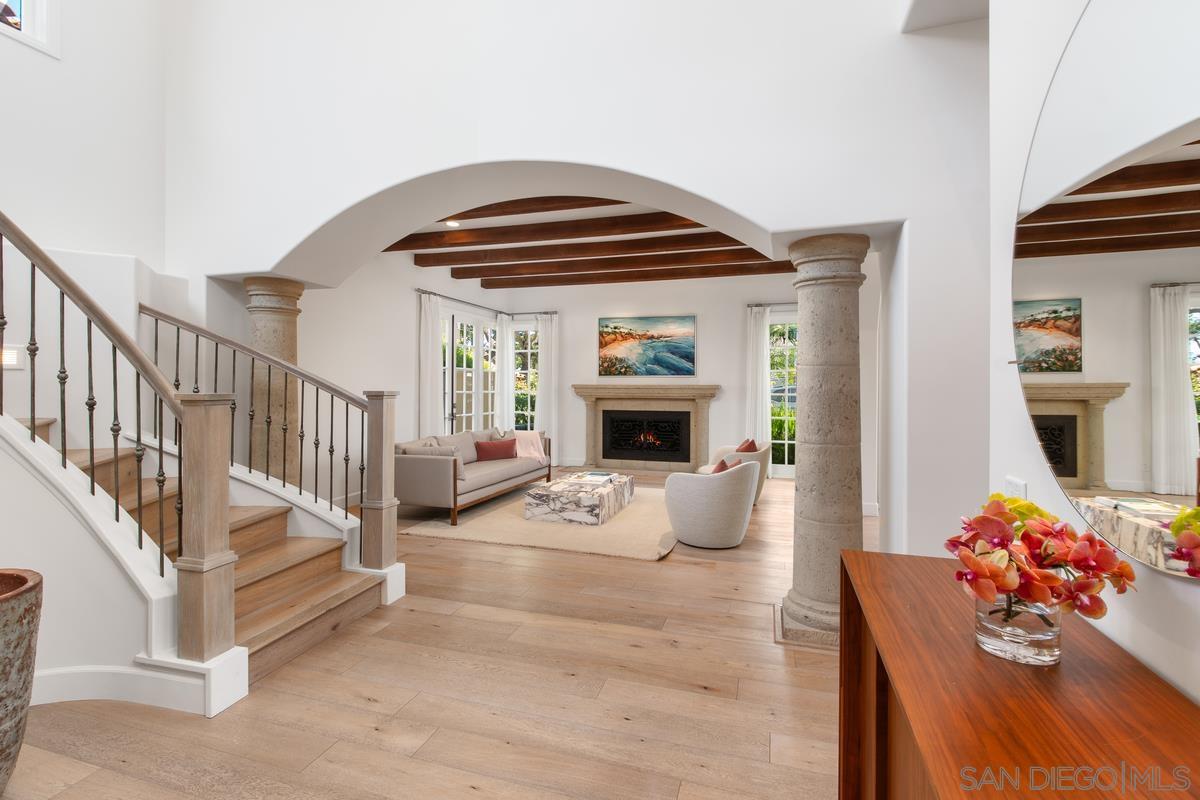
712 510
761 457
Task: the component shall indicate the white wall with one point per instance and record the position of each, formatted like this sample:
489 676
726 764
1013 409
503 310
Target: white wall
281 118
1160 622
1115 289
340 339
84 134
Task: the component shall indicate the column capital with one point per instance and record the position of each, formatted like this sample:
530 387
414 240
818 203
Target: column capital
829 258
373 393
278 295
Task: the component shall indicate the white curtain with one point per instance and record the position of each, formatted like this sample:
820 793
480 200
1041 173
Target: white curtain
758 374
505 419
431 401
1174 441
546 412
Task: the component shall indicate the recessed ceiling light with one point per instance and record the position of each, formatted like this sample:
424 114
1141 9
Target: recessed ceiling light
451 223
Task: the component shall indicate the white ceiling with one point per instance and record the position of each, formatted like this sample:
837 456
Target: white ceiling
922 14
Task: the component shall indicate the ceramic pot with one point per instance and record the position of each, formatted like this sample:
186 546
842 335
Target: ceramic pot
20 611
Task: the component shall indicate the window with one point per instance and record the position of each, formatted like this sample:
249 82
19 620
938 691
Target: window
783 398
471 374
525 377
1194 353
10 14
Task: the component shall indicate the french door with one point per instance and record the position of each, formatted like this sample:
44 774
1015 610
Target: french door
783 399
471 375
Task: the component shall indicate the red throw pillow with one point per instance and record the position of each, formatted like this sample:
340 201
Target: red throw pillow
496 450
748 446
723 465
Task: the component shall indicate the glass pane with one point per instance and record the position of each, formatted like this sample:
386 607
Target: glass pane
533 360
791 334
533 340
778 454
522 362
779 358
791 454
533 380
521 340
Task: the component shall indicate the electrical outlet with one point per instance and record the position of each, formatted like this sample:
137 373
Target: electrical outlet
1015 487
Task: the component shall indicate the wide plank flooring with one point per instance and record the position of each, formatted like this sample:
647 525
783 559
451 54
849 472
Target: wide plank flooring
504 673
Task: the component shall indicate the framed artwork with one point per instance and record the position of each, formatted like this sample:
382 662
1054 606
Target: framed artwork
656 346
1049 335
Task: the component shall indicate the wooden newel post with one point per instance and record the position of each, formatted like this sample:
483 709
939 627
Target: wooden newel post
379 504
205 570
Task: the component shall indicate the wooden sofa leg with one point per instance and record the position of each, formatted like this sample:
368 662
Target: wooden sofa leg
454 516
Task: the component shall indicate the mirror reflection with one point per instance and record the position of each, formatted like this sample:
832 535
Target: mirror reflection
1106 320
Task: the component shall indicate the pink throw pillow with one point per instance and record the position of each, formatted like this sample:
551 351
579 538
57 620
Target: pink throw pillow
496 450
723 465
748 446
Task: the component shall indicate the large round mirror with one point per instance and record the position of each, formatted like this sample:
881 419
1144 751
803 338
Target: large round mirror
1106 317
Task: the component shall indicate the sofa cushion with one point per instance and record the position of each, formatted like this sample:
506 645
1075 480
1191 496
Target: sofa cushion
465 442
427 441
486 435
479 474
497 450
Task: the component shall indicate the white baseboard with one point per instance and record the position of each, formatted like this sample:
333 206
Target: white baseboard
393 580
870 509
1129 486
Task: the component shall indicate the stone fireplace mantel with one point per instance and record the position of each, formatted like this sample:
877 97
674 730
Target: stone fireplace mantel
1085 401
692 397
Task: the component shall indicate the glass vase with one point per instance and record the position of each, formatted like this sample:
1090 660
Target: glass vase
1011 628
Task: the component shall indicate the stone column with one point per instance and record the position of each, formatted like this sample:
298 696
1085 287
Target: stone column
1095 432
828 508
274 308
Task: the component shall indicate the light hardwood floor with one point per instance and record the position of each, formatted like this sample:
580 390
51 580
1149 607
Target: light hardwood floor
506 672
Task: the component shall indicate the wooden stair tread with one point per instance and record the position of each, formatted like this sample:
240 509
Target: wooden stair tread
128 498
270 623
242 516
104 455
284 554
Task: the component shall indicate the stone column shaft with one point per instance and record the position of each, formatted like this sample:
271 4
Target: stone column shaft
274 309
828 502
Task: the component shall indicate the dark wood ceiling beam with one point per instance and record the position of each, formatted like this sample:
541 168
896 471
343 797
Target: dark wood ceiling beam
1169 203
734 255
1121 244
533 205
1145 176
545 231
638 276
1105 228
554 252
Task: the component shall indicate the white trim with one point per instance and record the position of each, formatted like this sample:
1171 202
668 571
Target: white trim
870 509
393 580
40 27
1128 486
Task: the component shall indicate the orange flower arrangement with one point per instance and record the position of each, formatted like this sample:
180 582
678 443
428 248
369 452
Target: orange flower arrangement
1018 551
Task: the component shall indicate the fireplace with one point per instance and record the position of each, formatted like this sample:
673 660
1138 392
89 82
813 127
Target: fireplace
647 435
1058 434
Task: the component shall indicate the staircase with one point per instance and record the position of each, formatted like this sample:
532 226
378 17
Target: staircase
290 592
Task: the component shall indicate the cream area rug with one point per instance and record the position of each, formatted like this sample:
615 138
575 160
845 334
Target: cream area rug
641 530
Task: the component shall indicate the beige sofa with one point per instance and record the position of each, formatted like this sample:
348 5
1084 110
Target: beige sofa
443 471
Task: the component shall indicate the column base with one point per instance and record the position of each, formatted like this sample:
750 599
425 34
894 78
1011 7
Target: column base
803 620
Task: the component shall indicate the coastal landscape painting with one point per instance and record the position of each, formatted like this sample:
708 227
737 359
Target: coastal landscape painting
1049 335
662 346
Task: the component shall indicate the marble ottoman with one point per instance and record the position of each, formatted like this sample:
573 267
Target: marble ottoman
568 500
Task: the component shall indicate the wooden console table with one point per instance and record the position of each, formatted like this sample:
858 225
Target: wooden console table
925 713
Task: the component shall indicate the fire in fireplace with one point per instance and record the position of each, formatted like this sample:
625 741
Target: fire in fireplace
647 435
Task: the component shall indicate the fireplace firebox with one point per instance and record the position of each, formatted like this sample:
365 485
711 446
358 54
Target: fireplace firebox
647 435
1058 434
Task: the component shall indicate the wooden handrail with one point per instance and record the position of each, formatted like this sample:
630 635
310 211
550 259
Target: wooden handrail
350 398
100 319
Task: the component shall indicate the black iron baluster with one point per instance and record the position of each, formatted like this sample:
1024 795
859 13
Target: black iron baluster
232 404
362 459
91 409
154 421
346 463
116 433
3 322
196 366
331 451
317 438
250 438
160 480
216 364
300 469
32 349
62 376
284 430
139 450
267 471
